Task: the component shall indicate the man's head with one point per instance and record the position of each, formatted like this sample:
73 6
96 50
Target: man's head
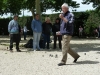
15 17
65 8
37 16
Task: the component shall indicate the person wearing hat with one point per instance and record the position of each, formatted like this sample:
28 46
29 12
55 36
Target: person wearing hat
66 29
13 29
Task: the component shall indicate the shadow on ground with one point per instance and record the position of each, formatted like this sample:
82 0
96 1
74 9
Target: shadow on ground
87 62
79 47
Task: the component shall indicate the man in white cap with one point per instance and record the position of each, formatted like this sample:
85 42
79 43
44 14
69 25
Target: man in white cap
66 29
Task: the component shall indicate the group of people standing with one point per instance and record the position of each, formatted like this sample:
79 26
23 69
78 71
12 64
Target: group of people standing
62 29
44 29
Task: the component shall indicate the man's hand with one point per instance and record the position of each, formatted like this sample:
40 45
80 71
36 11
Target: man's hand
58 33
64 19
61 16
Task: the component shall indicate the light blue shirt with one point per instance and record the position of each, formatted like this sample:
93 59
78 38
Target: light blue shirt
36 26
13 27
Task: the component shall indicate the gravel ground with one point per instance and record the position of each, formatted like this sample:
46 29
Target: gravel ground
45 62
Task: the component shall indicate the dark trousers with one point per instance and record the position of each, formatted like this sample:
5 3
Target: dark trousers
59 38
14 38
25 33
99 34
46 40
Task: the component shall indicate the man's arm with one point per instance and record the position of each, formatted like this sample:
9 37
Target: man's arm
32 25
9 26
70 20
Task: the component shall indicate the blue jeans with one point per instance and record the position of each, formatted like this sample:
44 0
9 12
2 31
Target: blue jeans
46 40
36 39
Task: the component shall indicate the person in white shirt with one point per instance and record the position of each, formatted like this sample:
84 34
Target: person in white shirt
25 32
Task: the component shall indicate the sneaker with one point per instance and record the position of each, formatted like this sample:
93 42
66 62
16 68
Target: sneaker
34 50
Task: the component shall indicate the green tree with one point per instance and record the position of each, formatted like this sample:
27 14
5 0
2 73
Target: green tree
10 6
1 7
56 5
96 3
15 6
92 22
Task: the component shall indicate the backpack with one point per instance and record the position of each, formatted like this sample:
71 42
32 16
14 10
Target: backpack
29 44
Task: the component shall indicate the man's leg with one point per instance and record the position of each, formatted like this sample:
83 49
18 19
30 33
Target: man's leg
38 40
11 41
17 40
99 34
65 47
59 39
24 35
73 53
44 40
17 45
34 40
48 40
55 39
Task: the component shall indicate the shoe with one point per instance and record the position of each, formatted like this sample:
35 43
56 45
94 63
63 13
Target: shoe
61 64
75 60
11 51
34 50
18 50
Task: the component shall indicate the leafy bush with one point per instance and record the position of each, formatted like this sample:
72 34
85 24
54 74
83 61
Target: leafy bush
92 23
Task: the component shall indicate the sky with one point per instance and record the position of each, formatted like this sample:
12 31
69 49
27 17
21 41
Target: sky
81 8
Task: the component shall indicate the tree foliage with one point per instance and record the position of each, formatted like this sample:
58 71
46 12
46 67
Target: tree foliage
96 3
92 22
1 6
56 5
15 6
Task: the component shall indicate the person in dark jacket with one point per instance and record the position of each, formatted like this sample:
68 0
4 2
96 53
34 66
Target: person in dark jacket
56 28
46 31
66 29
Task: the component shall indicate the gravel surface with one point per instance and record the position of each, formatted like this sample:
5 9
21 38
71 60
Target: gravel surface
45 62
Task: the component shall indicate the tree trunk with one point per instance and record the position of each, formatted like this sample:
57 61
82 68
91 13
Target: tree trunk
33 12
38 11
